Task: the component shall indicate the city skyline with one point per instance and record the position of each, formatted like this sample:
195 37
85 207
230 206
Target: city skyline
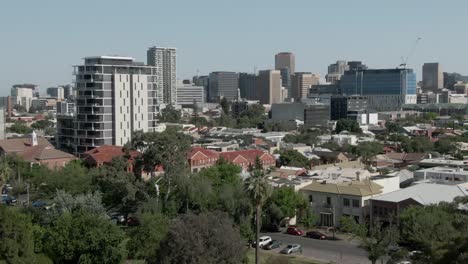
52 39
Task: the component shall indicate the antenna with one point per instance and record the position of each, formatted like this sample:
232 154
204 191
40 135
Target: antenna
404 60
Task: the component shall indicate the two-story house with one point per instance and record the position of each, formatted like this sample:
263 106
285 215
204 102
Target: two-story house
333 200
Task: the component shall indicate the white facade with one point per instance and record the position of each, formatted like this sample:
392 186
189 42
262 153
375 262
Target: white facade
187 94
345 139
164 59
22 95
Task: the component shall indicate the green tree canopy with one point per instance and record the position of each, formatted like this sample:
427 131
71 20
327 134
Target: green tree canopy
81 237
19 127
292 157
213 238
347 125
169 115
17 243
368 150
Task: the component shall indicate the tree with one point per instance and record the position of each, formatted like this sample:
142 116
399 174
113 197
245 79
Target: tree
375 239
292 157
445 146
20 127
169 115
82 237
120 189
213 238
223 172
332 145
392 127
17 243
146 238
67 203
417 144
368 150
259 189
225 120
5 171
199 121
42 124
224 103
308 137
347 125
288 200
429 229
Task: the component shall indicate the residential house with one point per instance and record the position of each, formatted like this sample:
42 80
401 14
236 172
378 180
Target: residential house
328 157
199 158
245 158
333 200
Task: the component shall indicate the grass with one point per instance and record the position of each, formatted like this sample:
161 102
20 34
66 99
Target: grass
267 257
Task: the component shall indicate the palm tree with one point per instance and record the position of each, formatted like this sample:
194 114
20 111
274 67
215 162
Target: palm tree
5 171
259 188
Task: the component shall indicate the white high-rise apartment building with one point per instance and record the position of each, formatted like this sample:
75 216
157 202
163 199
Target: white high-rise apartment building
22 94
116 96
164 59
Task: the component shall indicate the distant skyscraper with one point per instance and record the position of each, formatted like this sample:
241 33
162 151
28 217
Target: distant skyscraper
433 77
247 87
116 97
335 71
285 60
56 92
286 80
68 91
269 85
301 83
164 59
223 84
204 81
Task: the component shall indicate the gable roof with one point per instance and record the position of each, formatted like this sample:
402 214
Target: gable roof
206 152
355 188
106 153
249 154
39 153
424 193
17 145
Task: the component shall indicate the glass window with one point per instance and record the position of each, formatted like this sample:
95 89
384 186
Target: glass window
355 203
311 198
328 200
346 202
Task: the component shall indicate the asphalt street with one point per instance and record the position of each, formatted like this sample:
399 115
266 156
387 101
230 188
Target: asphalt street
341 251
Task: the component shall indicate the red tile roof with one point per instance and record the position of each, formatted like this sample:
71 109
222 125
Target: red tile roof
206 152
105 154
250 155
39 153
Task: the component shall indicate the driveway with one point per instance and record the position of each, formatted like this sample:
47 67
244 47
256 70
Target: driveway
341 251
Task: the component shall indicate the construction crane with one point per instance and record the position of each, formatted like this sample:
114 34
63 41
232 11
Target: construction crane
404 60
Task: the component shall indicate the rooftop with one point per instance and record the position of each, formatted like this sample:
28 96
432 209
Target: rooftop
425 193
356 188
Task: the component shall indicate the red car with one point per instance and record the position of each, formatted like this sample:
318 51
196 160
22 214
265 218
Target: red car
293 230
316 235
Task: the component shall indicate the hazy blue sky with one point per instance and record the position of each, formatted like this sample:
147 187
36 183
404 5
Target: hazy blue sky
41 40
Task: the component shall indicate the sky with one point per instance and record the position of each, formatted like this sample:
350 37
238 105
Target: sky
40 41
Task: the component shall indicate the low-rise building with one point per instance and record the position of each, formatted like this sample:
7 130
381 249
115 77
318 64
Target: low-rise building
333 200
445 175
387 207
105 154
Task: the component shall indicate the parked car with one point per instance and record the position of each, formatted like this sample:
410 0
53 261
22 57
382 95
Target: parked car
316 235
273 244
293 230
117 218
39 204
10 200
6 188
133 221
262 241
292 248
272 227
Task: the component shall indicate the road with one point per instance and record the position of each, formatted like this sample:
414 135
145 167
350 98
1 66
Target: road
341 251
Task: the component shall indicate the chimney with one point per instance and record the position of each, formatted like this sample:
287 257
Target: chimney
358 175
33 138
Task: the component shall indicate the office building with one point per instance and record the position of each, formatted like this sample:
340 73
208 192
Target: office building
285 60
433 77
116 96
301 83
56 92
2 123
286 80
247 86
317 115
324 89
269 86
204 81
22 94
386 89
68 91
223 84
189 94
356 66
341 106
427 98
164 59
335 71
